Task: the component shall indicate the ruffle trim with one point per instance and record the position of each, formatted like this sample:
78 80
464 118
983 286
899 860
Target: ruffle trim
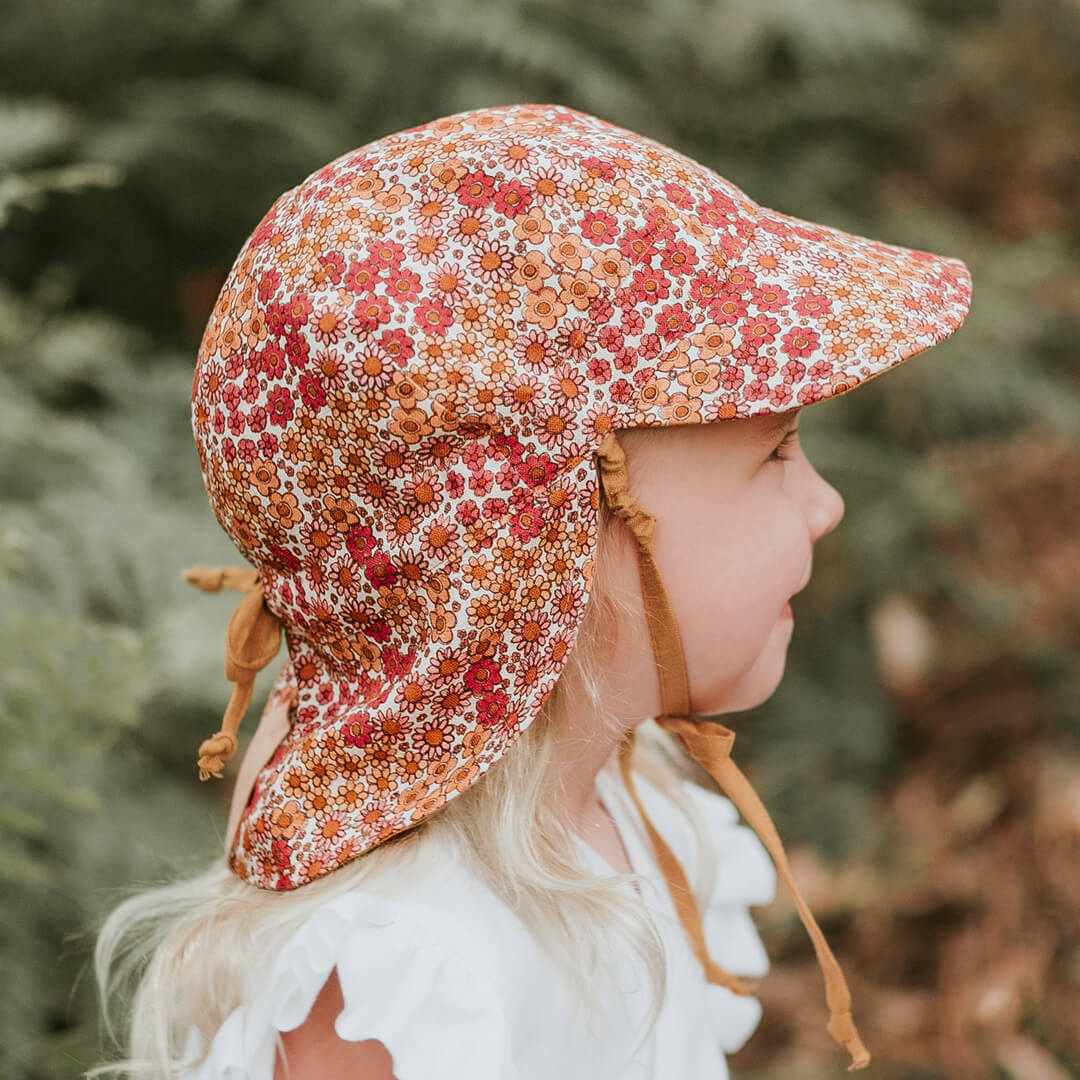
393 970
745 877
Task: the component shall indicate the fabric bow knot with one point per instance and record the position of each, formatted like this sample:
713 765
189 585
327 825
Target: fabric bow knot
252 640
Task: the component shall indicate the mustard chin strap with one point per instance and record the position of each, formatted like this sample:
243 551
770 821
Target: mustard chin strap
710 745
252 640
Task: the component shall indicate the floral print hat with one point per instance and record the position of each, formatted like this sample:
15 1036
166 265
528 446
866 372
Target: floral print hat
415 365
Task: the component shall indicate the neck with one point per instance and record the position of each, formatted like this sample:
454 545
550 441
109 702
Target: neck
587 738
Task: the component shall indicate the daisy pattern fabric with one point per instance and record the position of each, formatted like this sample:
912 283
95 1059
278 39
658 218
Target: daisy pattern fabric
397 401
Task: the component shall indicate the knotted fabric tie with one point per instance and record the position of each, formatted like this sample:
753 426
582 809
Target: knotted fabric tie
709 744
252 640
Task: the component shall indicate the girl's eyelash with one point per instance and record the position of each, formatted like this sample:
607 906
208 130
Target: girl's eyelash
778 454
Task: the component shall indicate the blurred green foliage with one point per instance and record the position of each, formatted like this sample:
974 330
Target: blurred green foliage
140 144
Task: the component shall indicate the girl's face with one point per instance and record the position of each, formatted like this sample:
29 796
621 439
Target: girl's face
738 507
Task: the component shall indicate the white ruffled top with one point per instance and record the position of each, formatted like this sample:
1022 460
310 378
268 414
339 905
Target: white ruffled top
454 985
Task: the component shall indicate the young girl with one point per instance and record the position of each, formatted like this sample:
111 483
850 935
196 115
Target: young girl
501 409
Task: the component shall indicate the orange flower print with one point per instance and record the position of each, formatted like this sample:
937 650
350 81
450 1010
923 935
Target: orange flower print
264 476
410 425
578 290
544 308
397 400
531 270
610 266
701 377
286 820
567 250
532 227
284 509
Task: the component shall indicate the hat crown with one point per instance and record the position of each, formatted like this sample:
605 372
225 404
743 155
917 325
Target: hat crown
418 341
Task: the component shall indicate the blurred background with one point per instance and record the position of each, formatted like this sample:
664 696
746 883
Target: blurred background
922 754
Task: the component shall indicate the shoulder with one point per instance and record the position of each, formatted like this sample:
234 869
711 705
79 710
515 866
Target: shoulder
397 965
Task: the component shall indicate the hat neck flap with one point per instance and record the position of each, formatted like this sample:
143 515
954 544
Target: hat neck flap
253 638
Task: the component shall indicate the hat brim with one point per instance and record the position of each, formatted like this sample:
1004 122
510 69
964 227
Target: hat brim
882 303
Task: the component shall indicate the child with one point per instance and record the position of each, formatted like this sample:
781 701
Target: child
458 844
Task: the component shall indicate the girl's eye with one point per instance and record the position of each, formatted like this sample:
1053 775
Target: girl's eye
778 454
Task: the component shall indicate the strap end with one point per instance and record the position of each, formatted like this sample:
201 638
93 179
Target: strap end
841 1027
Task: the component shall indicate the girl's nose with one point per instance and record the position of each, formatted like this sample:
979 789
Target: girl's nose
826 508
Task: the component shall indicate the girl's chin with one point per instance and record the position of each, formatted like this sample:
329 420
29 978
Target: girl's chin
755 689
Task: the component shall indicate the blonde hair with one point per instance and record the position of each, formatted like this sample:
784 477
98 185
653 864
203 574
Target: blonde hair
184 955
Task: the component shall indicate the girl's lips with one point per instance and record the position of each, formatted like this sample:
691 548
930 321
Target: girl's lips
787 613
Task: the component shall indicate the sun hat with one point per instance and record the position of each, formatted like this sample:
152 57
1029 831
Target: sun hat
404 406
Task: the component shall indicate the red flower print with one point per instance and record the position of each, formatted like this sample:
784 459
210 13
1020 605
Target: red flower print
651 347
597 168
598 371
297 349
492 708
599 227
387 256
769 298
476 189
513 198
728 308
396 346
333 266
800 341
678 258
433 317
810 393
674 321
793 371
678 195
705 287
403 286
357 732
269 283
732 377
536 470
638 245
780 395
633 322
272 360
649 285
526 524
361 277
482 676
369 314
379 570
279 404
397 399
762 330
297 310
812 305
